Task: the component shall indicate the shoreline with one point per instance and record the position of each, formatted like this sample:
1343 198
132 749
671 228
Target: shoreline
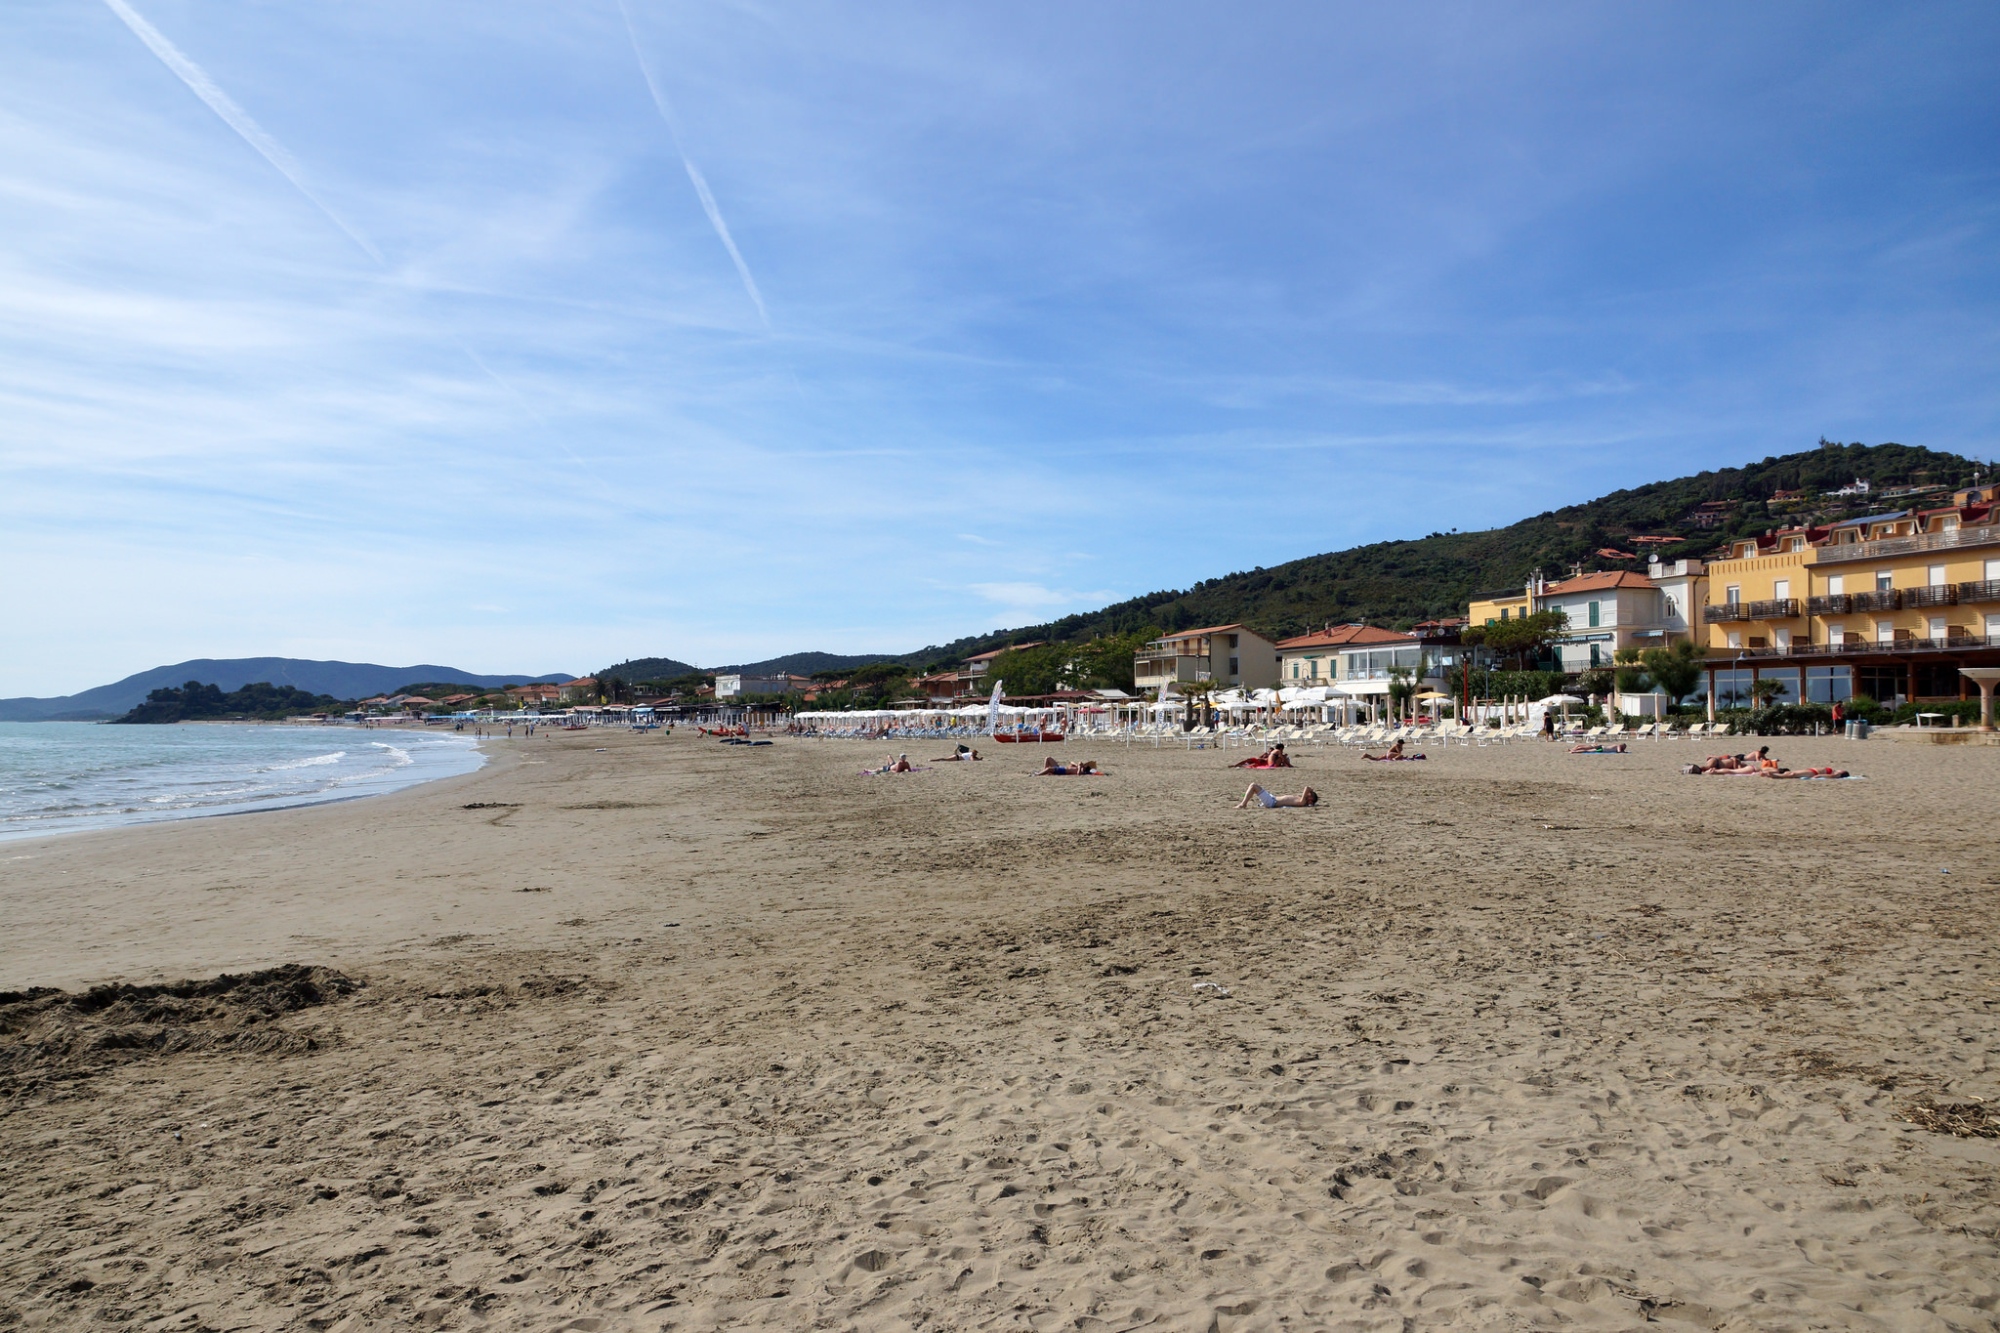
386 784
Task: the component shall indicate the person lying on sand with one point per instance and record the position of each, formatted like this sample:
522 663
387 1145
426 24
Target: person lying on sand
1275 757
965 754
1828 772
1051 769
1395 754
1270 800
900 764
1733 763
1619 748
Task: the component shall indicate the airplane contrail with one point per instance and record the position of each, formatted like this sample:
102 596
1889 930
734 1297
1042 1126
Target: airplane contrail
234 116
701 189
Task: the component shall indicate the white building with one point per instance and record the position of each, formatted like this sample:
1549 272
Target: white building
1610 611
730 687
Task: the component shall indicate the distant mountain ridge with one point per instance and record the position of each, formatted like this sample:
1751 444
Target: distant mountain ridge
342 680
803 664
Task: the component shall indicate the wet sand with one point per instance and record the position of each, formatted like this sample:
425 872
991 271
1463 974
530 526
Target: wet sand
680 1035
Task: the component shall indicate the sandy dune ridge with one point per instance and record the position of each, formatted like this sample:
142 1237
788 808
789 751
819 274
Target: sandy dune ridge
669 1034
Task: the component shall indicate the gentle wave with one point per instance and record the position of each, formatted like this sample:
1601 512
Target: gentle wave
60 776
313 762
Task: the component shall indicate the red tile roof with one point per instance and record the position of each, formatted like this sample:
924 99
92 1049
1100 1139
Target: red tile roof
1197 633
1598 582
1339 635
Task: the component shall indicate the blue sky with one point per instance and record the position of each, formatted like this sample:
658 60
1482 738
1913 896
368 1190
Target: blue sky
417 341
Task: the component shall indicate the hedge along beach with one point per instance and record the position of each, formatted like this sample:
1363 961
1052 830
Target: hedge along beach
649 1031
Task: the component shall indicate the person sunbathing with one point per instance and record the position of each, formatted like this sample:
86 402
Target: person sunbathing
1275 757
1619 748
900 764
964 754
1051 769
1827 772
1395 753
1270 800
1731 763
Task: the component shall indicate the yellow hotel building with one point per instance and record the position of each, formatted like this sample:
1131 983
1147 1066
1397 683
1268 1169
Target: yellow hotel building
1890 606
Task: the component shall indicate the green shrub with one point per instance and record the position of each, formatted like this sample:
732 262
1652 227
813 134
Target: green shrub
1779 719
1964 708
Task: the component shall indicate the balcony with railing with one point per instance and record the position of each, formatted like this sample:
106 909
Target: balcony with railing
1725 613
1937 594
1777 608
1985 535
1980 590
1882 599
1832 604
1856 646
1156 667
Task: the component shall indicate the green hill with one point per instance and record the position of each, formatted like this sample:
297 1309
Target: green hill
1401 582
648 668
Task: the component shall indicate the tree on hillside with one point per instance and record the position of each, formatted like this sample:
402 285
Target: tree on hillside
1106 663
1103 663
1037 670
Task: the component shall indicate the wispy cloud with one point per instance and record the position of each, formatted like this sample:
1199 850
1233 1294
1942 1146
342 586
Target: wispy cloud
1034 597
706 195
234 116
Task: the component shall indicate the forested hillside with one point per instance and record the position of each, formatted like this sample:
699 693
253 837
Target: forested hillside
1399 583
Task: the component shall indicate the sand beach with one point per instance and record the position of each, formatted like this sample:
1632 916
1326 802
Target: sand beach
644 1032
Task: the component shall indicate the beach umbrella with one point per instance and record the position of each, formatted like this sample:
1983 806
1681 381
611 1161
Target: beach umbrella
1559 701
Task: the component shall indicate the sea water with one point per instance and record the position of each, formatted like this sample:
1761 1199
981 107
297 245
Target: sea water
59 777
